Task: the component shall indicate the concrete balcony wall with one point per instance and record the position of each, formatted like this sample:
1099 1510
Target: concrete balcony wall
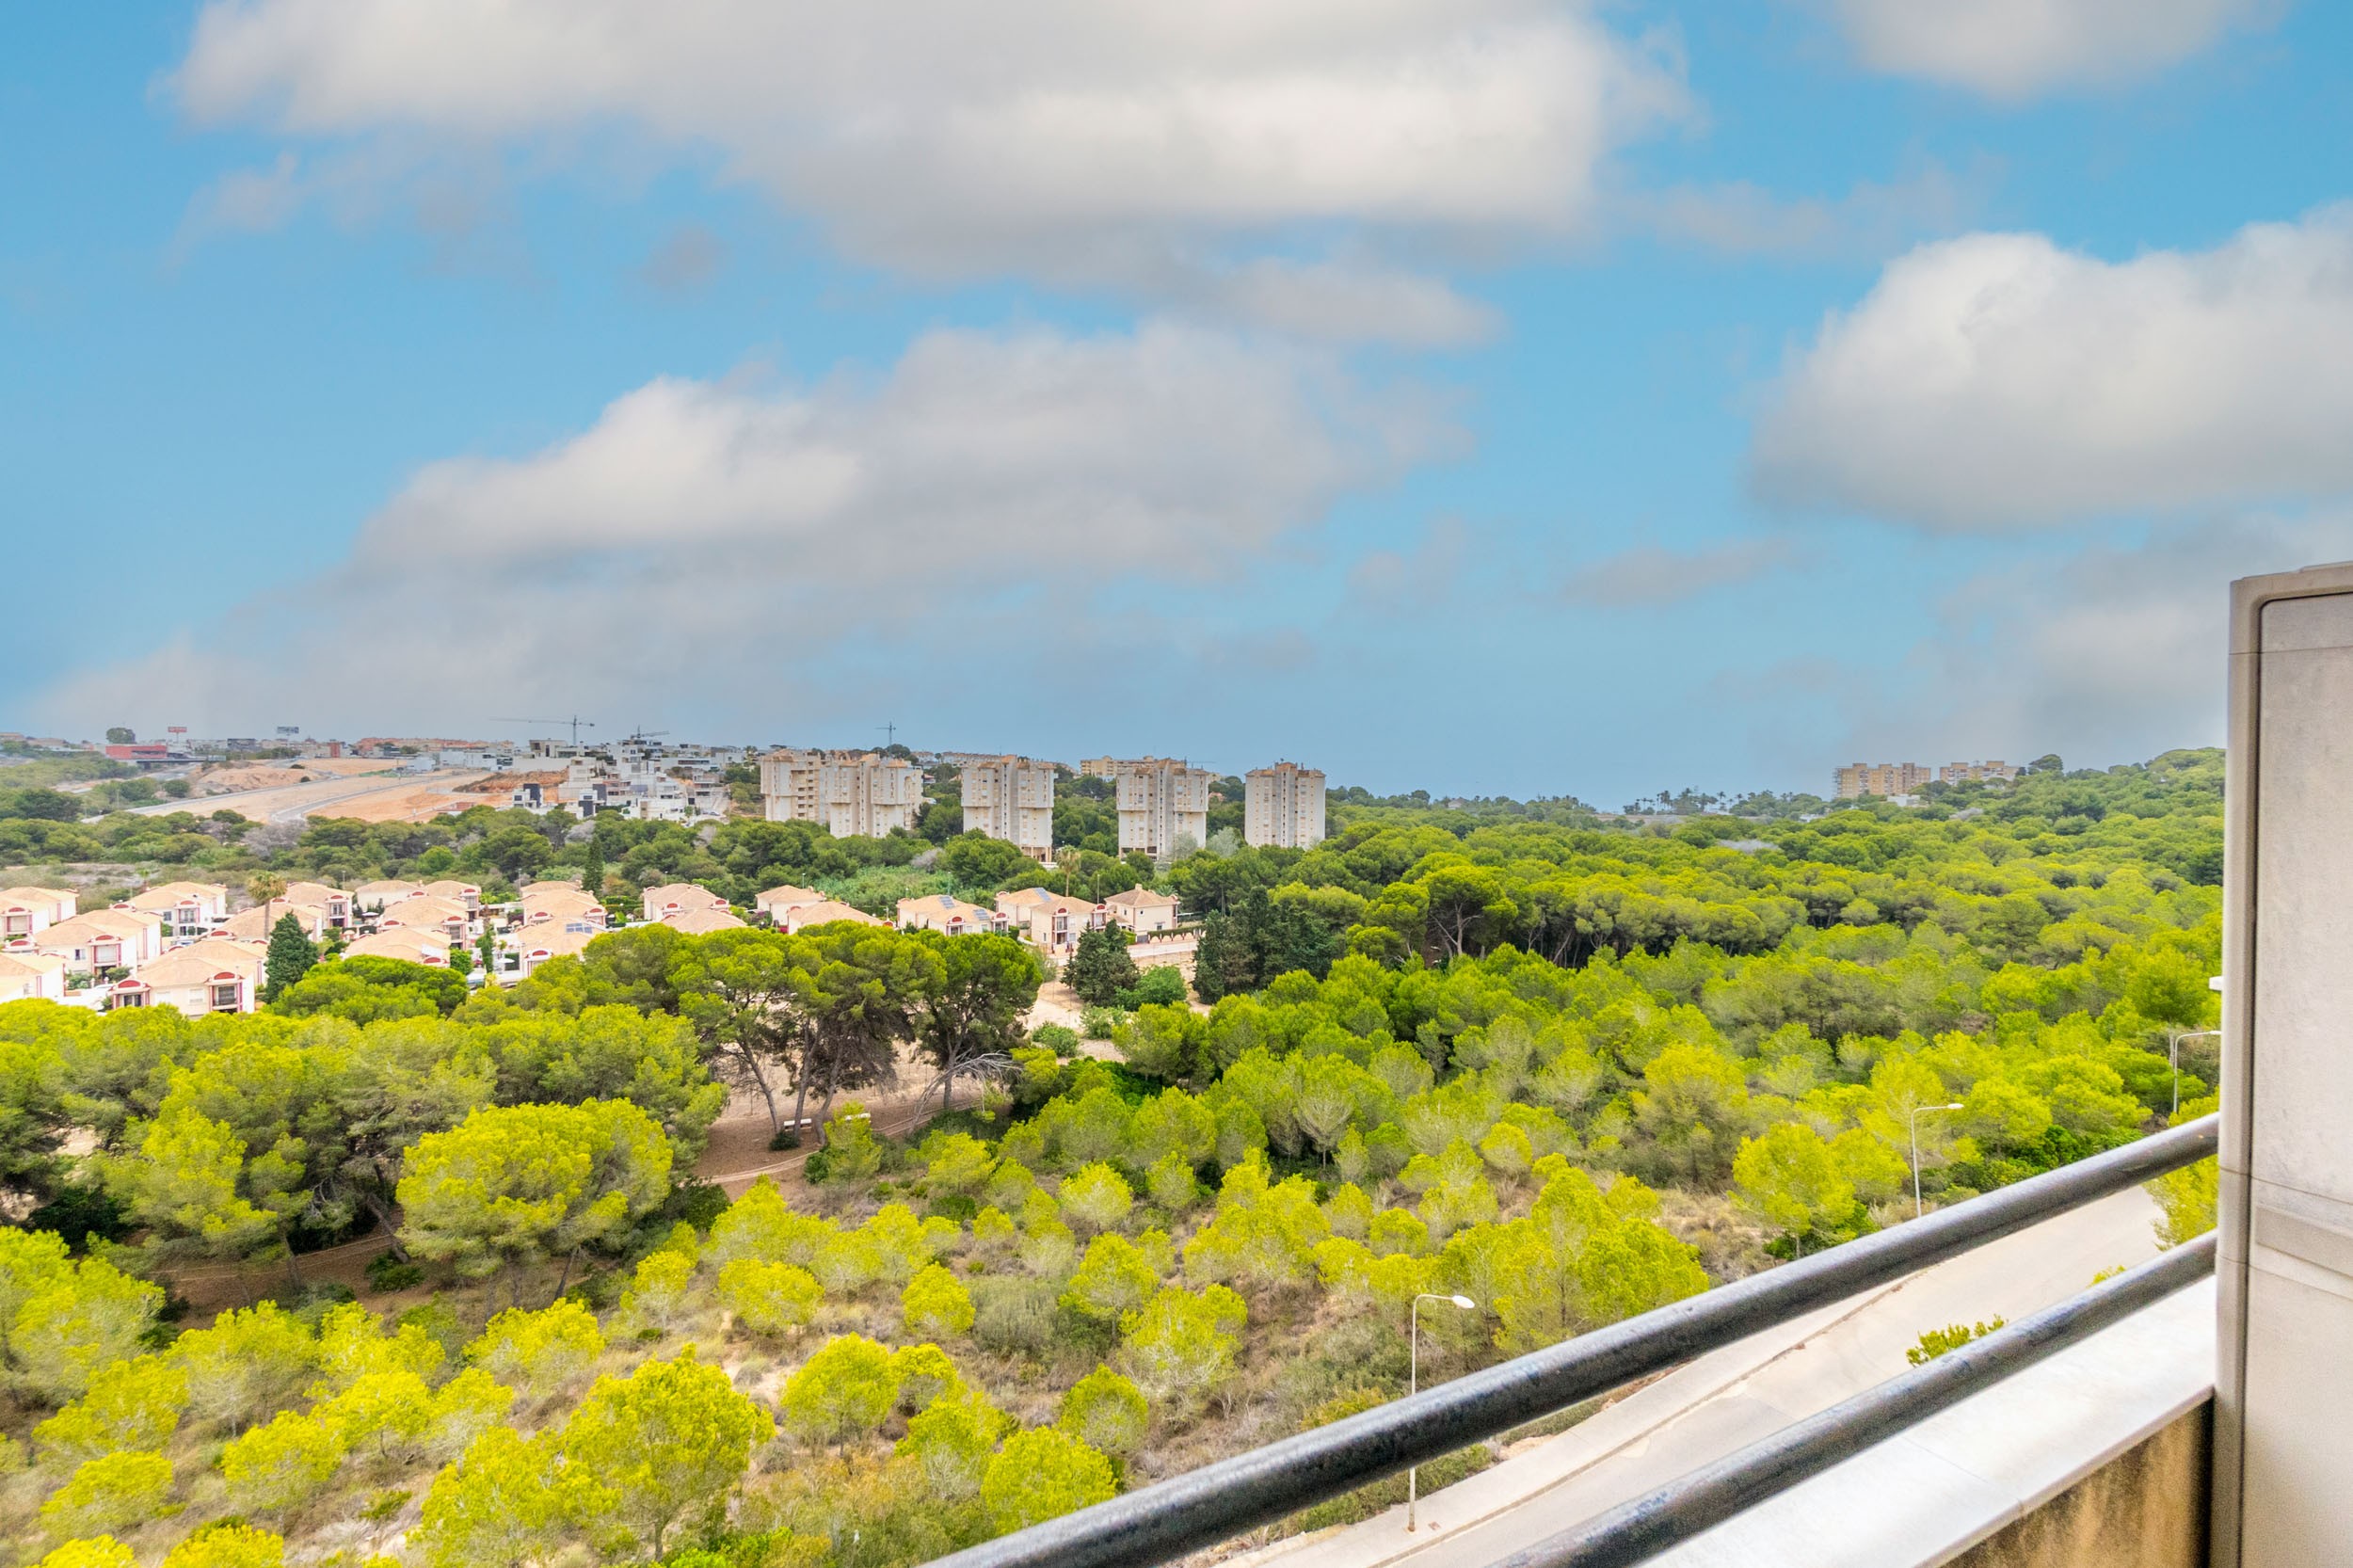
2146 1507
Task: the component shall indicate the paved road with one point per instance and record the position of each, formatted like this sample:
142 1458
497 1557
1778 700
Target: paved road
1730 1397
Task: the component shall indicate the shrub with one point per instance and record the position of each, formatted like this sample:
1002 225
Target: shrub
1096 1196
769 1298
1042 1473
1059 1038
935 1304
388 1272
110 1494
950 1442
842 1392
1942 1341
539 1350
1012 1315
283 1464
99 1551
132 1405
1105 1411
228 1544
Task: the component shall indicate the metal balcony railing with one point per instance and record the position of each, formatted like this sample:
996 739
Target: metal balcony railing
1221 1501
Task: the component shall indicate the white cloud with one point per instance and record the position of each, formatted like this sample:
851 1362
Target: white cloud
1996 381
1872 220
2114 654
1064 138
2014 49
1652 574
777 551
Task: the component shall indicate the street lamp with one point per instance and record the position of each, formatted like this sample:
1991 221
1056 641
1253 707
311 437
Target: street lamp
1412 1383
1917 1111
2173 1056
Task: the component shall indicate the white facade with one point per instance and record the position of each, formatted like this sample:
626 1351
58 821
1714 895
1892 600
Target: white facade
1011 798
1283 806
1164 806
856 795
26 910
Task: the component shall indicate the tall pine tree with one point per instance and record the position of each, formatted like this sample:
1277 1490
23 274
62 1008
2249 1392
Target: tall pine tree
290 956
592 867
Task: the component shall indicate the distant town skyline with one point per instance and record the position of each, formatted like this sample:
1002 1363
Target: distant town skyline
1713 395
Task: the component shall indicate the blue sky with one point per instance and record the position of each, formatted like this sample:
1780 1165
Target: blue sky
1493 396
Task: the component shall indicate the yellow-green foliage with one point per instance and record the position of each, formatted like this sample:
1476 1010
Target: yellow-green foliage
72 1322
1107 1412
768 1298
1042 1473
248 1365
282 1464
510 1499
935 1304
538 1351
352 1344
662 1447
228 1544
99 1551
951 1442
108 1494
132 1404
843 1391
1181 1343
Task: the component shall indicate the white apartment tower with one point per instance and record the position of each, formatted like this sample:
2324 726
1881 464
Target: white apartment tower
856 795
1010 798
1283 806
1164 806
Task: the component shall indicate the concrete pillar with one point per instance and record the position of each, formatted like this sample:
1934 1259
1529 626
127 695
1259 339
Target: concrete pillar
2283 1432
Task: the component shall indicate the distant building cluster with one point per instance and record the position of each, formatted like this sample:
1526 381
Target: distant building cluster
1889 780
854 795
1162 803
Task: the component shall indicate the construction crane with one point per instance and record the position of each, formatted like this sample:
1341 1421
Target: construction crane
577 723
642 734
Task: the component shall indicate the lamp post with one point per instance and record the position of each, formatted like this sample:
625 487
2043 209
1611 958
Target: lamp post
1917 1111
2174 1059
1412 1385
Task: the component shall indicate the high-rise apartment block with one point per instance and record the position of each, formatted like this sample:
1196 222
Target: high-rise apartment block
1881 778
1098 767
1990 772
1011 798
856 795
1164 806
1283 806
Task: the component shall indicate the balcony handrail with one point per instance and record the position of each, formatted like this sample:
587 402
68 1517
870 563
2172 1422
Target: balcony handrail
1643 1526
1216 1501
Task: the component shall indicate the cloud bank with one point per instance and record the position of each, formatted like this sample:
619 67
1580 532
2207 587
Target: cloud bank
2015 49
782 551
1120 145
1998 381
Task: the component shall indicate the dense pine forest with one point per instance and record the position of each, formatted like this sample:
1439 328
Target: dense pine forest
1568 1066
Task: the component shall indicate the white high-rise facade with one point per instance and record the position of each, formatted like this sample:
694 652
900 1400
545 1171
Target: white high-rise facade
1164 806
1283 806
856 795
1011 798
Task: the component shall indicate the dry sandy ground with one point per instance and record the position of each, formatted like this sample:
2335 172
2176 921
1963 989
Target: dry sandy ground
273 775
409 797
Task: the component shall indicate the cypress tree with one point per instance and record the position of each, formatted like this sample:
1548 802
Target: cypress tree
592 868
290 956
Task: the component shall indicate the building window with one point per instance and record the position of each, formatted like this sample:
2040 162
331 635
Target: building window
225 999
